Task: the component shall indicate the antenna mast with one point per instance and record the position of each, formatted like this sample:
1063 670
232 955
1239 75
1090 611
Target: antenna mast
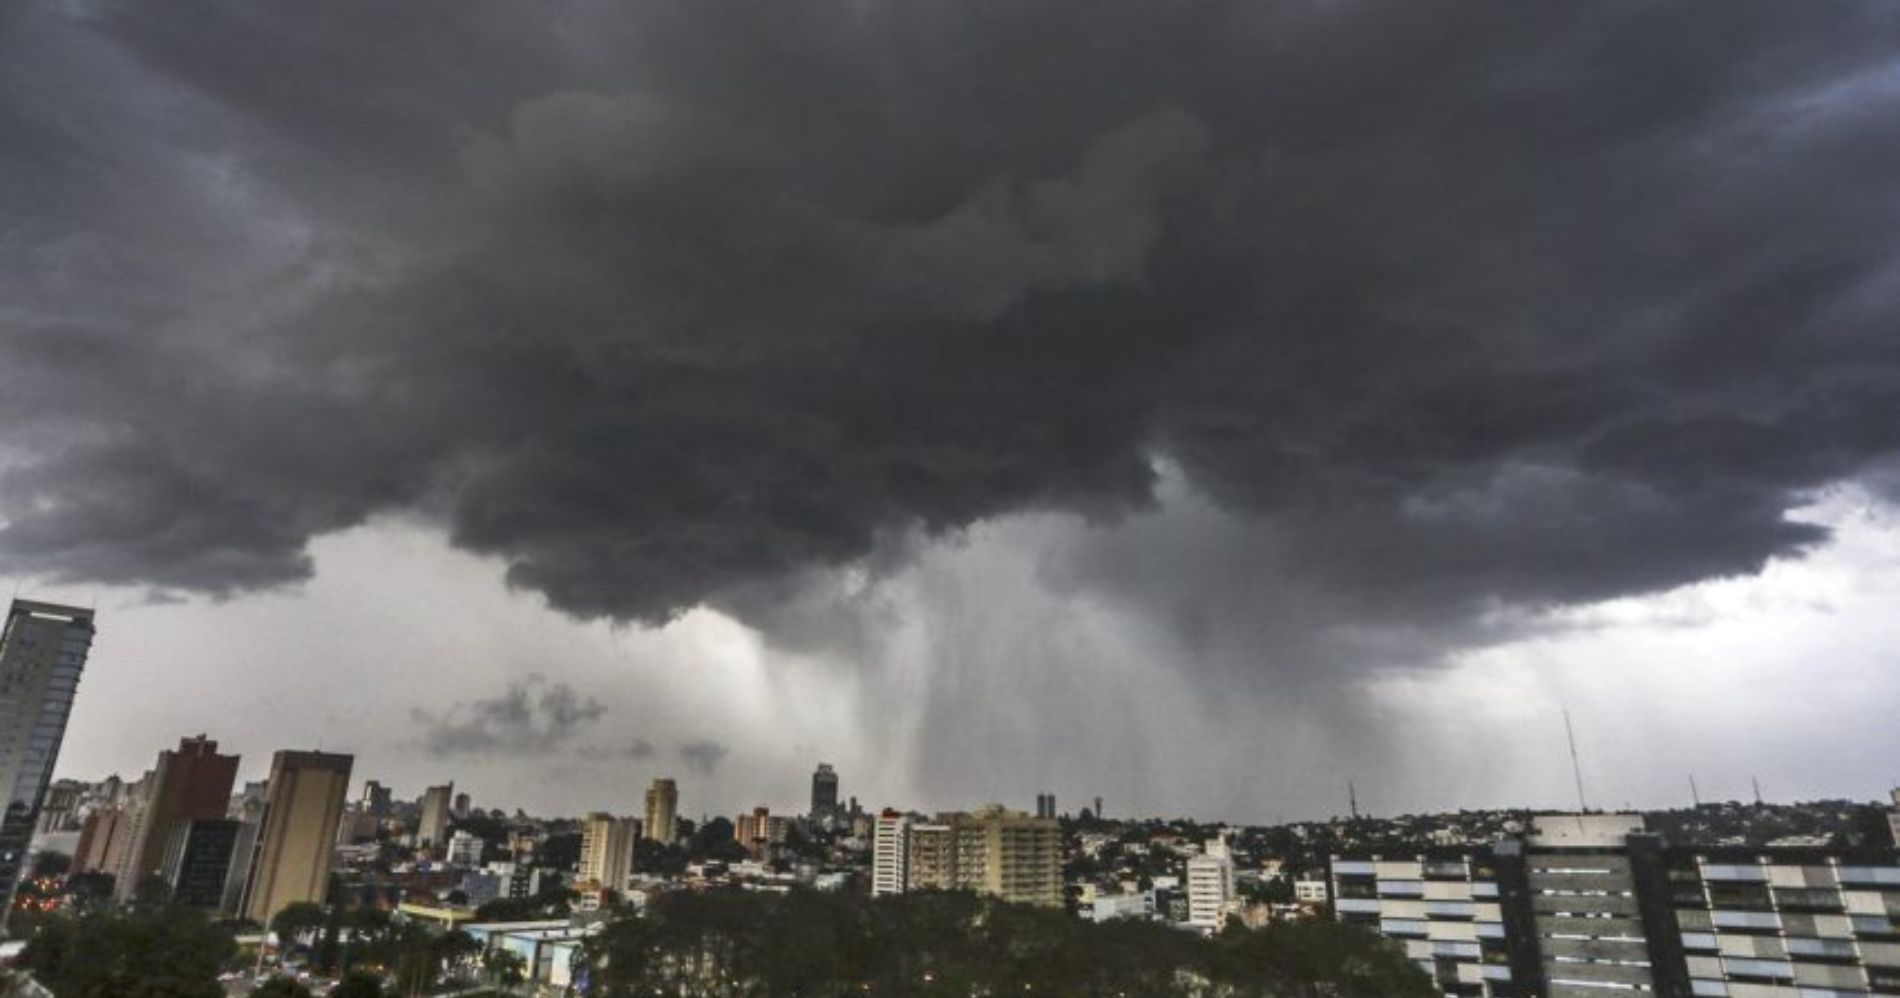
1576 767
1694 794
1352 800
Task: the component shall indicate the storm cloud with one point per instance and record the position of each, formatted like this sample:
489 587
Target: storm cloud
1416 312
532 717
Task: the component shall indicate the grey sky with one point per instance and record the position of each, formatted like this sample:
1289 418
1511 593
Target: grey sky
1114 395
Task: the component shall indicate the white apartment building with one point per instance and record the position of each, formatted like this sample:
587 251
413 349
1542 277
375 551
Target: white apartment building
890 854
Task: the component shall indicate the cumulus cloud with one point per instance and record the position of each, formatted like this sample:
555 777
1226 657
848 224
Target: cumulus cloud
532 717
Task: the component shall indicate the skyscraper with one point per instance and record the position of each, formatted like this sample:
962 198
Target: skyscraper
1045 805
189 784
376 799
432 828
606 850
824 790
301 809
663 800
42 652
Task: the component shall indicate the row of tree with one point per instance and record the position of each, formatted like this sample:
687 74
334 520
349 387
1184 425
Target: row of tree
743 944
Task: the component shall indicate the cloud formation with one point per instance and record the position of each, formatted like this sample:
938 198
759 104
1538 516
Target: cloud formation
703 756
1423 312
533 717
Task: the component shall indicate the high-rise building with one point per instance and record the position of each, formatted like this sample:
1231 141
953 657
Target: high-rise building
760 831
462 804
1210 886
824 790
432 828
933 857
1045 805
465 849
42 652
376 798
189 783
96 838
302 806
198 859
1010 855
662 817
890 854
607 850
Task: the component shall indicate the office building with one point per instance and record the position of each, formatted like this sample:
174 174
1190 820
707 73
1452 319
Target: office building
101 835
237 876
1045 805
189 783
1581 872
662 814
302 805
607 850
462 805
1010 855
824 790
890 854
432 827
197 861
1444 909
42 652
376 799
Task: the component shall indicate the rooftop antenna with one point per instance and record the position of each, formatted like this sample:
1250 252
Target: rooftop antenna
1757 782
1576 767
1352 800
1694 794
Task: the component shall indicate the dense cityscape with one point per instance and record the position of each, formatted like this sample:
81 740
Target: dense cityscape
323 880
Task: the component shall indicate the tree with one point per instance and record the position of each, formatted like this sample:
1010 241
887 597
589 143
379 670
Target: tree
169 953
296 921
505 967
359 984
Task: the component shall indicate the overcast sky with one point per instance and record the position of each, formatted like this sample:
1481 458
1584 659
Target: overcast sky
1200 404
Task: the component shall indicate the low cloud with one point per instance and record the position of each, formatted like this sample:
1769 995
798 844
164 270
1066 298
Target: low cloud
703 757
533 717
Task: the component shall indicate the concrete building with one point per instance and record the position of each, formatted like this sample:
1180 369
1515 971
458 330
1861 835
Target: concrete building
197 861
1309 891
432 827
1444 909
824 790
933 857
376 799
890 854
190 783
760 832
302 805
1010 855
1045 805
101 835
43 650
1210 887
662 813
462 805
465 849
607 850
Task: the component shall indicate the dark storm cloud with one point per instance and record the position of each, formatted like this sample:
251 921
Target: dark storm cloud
531 717
672 303
703 757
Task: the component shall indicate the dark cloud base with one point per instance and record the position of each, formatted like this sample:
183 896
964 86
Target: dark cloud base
672 304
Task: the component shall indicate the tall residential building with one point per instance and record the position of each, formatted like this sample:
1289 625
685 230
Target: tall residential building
188 784
760 831
432 828
302 805
607 850
1210 886
933 857
662 817
463 802
1045 805
1010 855
97 837
824 790
890 854
42 652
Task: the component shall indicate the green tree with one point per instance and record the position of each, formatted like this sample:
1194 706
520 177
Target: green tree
169 953
505 967
359 984
297 921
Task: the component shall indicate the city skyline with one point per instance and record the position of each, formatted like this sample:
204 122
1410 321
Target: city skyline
1201 406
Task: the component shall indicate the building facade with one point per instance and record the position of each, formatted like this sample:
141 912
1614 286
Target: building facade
432 826
43 650
824 790
197 861
302 804
1009 855
190 783
607 850
662 812
890 854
